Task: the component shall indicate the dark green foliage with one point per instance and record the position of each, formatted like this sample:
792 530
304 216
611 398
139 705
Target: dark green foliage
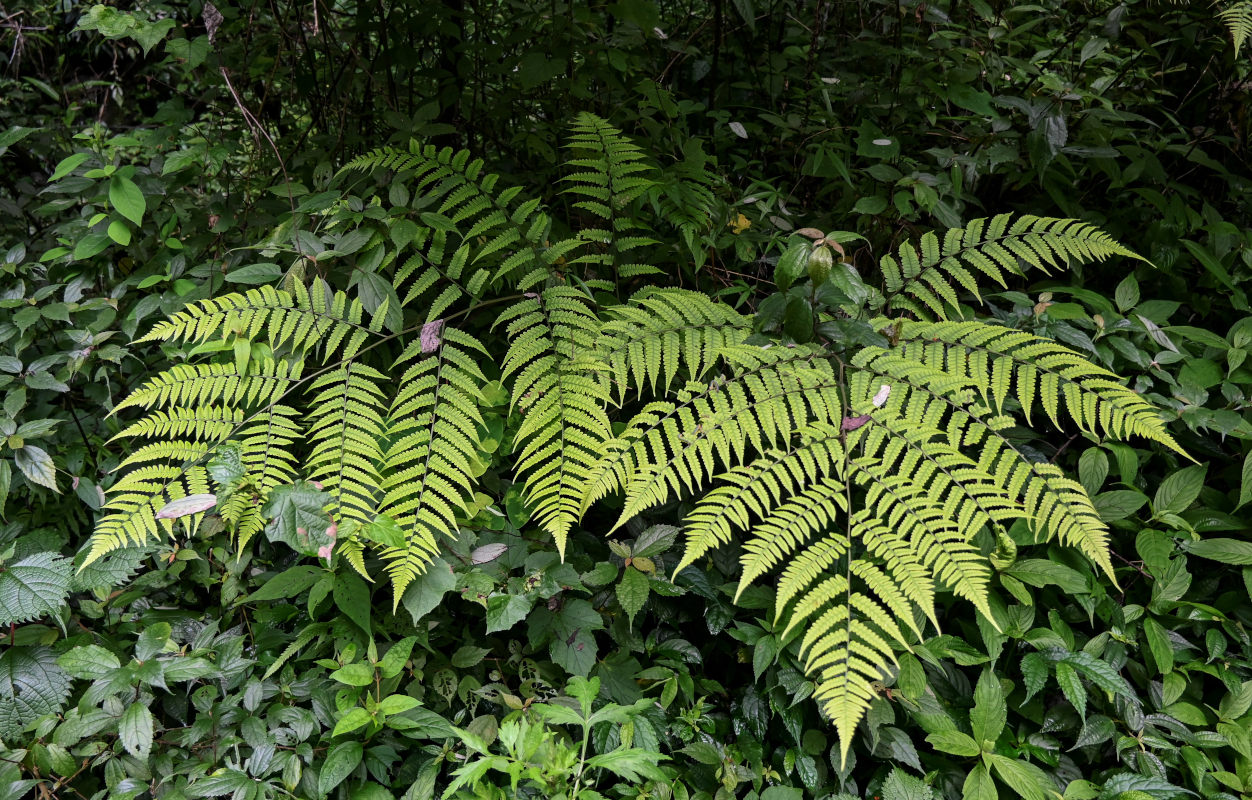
160 158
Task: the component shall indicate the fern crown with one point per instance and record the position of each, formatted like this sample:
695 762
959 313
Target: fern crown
866 460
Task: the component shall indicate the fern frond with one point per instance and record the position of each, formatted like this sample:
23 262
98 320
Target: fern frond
428 471
477 234
674 446
760 490
661 331
130 513
212 424
301 320
267 454
564 426
1054 505
191 385
346 429
1238 20
922 279
608 175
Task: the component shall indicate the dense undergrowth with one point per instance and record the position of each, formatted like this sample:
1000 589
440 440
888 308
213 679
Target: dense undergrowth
647 400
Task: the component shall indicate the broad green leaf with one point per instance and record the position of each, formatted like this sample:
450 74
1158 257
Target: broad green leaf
506 610
222 782
655 541
1067 678
1127 294
342 759
352 597
1040 572
632 592
385 531
1027 780
31 686
397 704
468 655
6 482
288 583
118 232
792 264
358 674
1093 468
1178 491
954 742
297 517
988 717
127 199
979 785
88 662
1227 551
91 245
427 590
1097 729
630 764
33 587
36 465
135 730
1245 484
355 718
67 165
392 664
899 785
1159 645
1100 672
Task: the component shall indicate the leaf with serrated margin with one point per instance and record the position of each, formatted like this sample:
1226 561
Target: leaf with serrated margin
31 686
34 587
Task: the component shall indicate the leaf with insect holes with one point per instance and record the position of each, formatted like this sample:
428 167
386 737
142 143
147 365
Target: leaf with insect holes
298 518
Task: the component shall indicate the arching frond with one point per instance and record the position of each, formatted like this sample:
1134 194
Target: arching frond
565 425
428 471
924 279
607 175
646 342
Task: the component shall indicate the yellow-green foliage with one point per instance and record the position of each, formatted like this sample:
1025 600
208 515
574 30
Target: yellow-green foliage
863 472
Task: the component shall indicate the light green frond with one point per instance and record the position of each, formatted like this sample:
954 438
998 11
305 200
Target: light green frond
769 498
1055 506
267 453
197 385
346 429
473 232
941 546
847 650
209 424
130 512
923 279
1238 20
299 321
676 446
1003 362
606 175
659 332
564 425
429 469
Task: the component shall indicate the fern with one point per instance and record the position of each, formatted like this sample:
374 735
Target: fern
1238 20
869 469
564 422
609 177
925 278
432 424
